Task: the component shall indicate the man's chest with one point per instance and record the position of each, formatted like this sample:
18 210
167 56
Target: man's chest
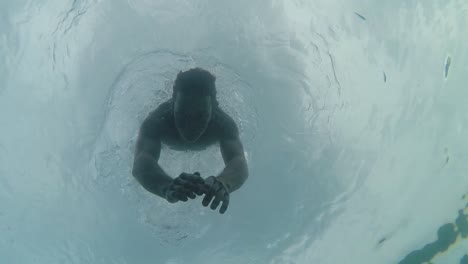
173 140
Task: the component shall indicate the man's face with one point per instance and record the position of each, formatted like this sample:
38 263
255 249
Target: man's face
192 115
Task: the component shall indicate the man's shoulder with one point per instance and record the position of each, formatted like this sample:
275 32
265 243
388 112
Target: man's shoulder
222 117
158 118
225 124
163 111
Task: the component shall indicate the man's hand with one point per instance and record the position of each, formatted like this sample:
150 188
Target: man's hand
185 186
215 188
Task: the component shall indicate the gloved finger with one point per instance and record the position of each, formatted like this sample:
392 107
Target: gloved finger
199 190
189 185
209 184
206 201
187 188
193 178
179 196
192 195
183 191
186 176
219 197
188 192
192 185
194 188
198 179
215 202
210 180
183 174
179 181
207 189
225 205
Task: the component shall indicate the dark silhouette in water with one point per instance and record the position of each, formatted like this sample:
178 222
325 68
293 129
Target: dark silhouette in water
446 236
360 16
190 120
448 62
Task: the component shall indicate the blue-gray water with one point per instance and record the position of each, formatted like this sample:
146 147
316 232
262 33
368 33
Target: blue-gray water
354 117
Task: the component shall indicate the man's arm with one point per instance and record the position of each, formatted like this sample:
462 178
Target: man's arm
145 166
236 172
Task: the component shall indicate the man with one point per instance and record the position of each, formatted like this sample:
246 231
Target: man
190 120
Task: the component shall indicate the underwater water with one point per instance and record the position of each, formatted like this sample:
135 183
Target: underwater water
353 115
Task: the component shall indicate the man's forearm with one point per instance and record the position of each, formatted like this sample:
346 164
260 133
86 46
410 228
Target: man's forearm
150 175
234 174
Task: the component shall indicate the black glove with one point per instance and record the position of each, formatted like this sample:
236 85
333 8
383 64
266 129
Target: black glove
185 186
215 188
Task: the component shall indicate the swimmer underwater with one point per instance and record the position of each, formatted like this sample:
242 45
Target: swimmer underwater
190 120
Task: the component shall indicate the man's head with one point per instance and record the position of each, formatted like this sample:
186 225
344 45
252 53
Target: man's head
194 96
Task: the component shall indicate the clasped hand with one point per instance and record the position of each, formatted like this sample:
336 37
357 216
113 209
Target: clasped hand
188 185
